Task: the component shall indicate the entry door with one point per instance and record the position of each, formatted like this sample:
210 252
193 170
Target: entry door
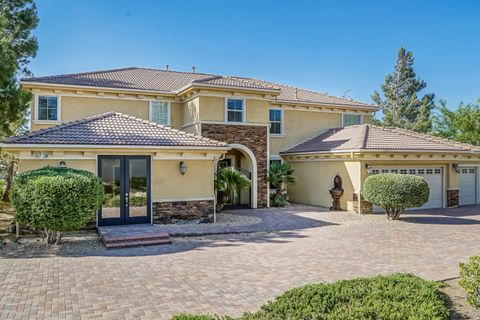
468 184
126 181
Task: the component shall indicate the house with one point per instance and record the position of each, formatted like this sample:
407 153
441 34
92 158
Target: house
156 138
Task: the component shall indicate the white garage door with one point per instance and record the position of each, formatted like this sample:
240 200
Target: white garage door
433 176
468 190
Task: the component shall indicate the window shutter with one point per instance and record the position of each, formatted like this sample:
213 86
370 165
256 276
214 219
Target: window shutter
159 112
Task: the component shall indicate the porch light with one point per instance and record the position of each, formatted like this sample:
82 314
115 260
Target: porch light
41 155
456 167
183 167
62 164
368 167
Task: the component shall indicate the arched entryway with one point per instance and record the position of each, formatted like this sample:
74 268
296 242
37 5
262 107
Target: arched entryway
243 159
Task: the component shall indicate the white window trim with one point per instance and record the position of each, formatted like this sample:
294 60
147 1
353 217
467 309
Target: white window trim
244 112
59 108
169 120
282 123
351 113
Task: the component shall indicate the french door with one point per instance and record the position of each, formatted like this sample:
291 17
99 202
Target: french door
126 181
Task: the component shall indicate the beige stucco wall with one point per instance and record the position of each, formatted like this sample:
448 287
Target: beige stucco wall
314 179
168 183
213 109
27 165
191 111
302 125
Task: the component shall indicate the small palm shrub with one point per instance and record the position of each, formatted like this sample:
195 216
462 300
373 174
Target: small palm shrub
396 192
394 297
56 199
470 281
280 175
230 181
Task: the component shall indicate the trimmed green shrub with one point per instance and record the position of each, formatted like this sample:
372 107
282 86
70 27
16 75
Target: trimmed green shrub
470 281
56 199
187 316
394 297
396 192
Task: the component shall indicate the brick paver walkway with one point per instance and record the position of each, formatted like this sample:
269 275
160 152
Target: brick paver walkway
236 275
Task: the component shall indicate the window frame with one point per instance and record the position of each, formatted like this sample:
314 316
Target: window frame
59 108
244 110
352 114
282 122
169 120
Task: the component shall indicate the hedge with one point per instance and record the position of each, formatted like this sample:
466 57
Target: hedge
396 192
394 297
56 199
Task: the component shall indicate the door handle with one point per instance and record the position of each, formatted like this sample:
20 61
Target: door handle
126 199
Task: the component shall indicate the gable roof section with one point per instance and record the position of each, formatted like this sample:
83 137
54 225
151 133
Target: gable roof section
173 82
116 129
368 137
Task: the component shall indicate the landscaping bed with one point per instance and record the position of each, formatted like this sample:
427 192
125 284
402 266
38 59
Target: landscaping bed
395 297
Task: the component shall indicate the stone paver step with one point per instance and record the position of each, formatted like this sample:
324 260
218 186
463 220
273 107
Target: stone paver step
137 243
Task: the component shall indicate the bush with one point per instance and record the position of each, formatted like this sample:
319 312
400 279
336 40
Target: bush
470 281
187 316
396 192
394 297
56 199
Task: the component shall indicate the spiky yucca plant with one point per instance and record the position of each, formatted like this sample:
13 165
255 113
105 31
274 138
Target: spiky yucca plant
230 181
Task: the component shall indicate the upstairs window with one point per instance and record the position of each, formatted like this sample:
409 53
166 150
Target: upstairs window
276 121
48 108
351 119
235 110
160 112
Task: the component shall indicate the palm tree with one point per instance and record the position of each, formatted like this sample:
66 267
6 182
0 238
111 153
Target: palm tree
280 175
230 181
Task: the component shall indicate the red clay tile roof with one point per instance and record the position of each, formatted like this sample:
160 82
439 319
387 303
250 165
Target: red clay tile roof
114 128
173 82
368 137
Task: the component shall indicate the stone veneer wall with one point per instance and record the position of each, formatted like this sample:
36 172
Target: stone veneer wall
360 205
165 212
254 138
453 198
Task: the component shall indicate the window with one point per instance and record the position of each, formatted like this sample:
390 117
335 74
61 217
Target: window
235 112
429 171
421 171
276 121
412 171
160 112
375 171
438 171
403 171
48 108
472 170
351 119
272 162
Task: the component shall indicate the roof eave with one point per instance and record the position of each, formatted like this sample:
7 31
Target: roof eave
360 151
317 104
108 146
189 87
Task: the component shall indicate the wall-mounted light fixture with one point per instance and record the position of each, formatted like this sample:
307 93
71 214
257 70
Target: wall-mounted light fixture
456 167
41 155
62 164
368 167
183 167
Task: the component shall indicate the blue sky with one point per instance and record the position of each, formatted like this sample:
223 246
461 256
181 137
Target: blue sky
327 46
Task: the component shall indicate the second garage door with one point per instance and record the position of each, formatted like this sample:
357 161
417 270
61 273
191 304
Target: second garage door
468 190
433 176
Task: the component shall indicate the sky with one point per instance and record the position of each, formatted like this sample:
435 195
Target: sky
340 47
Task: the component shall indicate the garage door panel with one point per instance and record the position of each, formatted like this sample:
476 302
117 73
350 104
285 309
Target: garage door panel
468 186
433 176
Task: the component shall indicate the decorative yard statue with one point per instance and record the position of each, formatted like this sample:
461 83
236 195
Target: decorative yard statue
336 193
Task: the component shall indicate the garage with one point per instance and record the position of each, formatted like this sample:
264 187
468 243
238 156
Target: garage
468 186
433 176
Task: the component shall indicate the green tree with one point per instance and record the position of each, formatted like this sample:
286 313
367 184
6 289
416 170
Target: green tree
400 103
18 18
230 181
280 175
462 124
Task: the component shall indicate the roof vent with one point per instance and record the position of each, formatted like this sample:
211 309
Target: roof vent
193 69
296 94
167 67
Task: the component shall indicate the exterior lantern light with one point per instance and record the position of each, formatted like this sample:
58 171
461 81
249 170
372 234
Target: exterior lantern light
41 155
368 167
183 167
456 167
62 164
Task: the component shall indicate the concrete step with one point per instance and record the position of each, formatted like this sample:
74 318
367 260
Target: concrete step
137 237
137 243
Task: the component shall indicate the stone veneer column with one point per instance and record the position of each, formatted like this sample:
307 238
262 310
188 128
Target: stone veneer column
252 137
360 205
165 212
453 198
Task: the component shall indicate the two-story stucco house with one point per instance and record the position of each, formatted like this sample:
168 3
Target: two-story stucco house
156 138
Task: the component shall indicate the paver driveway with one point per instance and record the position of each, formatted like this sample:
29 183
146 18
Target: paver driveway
239 274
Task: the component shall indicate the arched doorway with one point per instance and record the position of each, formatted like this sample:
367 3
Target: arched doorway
243 159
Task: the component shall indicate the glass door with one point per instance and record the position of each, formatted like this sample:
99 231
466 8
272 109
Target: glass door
126 181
